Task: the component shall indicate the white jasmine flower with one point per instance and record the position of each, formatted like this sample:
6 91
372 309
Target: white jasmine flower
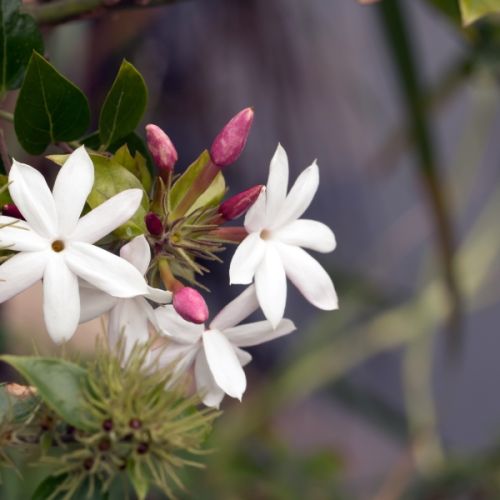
216 351
57 245
128 316
272 250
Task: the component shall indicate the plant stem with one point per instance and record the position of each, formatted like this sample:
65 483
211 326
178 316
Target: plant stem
60 11
6 115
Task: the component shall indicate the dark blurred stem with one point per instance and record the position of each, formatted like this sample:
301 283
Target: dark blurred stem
396 31
59 11
4 154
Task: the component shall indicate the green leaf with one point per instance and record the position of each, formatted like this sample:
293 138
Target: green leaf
212 195
49 109
138 479
110 179
19 37
59 384
472 10
135 164
124 105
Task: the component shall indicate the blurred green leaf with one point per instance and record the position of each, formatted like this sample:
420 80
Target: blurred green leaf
124 105
4 192
138 479
48 486
58 382
472 10
449 8
49 108
212 195
19 37
135 164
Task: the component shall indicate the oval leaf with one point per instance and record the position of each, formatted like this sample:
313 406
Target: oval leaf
49 109
19 37
59 384
124 105
472 10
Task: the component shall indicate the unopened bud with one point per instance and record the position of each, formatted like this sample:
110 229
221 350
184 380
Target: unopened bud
11 210
238 204
161 148
190 305
153 224
230 142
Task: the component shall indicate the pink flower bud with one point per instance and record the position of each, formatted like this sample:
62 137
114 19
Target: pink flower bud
231 140
190 305
161 148
11 210
153 224
238 204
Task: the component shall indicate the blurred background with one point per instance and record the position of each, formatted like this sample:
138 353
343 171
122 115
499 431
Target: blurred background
396 394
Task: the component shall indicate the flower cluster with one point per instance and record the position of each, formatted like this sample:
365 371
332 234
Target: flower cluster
150 284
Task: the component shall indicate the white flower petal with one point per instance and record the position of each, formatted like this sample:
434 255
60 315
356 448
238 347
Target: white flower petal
33 198
71 188
299 197
246 259
307 233
224 364
158 295
107 216
94 302
243 357
277 184
138 253
207 388
104 270
20 272
172 325
61 299
257 333
179 356
17 235
270 285
129 318
255 218
309 277
237 310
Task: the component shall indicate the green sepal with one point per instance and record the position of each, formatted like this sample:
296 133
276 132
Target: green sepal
138 479
49 108
59 384
124 105
19 37
212 196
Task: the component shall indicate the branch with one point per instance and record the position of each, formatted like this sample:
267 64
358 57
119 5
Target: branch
60 11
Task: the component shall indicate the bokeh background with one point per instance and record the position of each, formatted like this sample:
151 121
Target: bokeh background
396 394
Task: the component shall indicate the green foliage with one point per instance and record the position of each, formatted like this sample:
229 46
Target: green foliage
212 195
472 10
136 164
49 109
124 105
59 384
19 37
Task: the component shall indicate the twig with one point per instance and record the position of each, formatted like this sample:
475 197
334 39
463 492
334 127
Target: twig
60 11
4 155
6 115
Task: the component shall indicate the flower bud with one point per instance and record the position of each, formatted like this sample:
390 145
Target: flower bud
11 210
231 140
238 204
190 305
161 148
153 224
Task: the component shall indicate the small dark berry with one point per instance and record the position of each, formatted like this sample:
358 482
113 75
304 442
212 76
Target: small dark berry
135 423
142 448
107 425
104 444
88 463
70 430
